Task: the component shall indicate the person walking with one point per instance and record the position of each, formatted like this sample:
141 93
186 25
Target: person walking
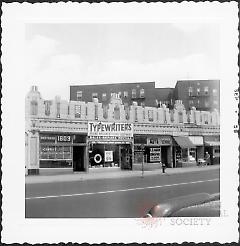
207 158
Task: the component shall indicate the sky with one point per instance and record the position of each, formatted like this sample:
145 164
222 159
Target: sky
59 55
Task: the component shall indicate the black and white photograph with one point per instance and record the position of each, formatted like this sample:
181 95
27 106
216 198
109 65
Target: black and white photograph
125 121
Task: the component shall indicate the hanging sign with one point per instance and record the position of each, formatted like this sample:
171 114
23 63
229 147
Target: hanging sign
108 156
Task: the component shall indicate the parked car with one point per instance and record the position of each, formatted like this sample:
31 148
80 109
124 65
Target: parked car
195 205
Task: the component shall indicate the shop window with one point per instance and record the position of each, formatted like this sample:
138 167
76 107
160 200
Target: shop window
150 115
142 93
206 90
104 97
192 152
125 93
190 91
47 107
116 112
77 111
134 93
79 95
34 108
180 117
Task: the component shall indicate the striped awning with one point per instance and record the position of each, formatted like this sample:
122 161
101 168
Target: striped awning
184 142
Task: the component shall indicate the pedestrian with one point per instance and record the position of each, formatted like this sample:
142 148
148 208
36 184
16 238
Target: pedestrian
207 158
163 167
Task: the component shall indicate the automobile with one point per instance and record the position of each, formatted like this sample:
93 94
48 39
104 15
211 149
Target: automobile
194 205
201 162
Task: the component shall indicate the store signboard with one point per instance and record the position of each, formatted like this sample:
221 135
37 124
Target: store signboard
110 129
161 140
155 154
108 156
44 138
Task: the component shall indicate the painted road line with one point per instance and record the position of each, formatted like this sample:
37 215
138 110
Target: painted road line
114 191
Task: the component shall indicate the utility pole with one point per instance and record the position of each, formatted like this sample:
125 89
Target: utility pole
142 147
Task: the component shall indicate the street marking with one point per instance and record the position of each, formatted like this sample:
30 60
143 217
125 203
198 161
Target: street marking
113 191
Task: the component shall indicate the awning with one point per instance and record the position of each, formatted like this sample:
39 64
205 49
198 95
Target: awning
212 143
184 142
196 140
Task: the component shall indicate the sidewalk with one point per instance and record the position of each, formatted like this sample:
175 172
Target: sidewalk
111 174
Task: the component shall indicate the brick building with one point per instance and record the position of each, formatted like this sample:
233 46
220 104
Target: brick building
202 94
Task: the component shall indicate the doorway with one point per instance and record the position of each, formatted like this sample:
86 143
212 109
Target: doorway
78 158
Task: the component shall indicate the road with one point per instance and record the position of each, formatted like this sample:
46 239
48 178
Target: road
129 197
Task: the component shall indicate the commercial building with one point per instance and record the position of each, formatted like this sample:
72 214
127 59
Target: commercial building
204 95
77 135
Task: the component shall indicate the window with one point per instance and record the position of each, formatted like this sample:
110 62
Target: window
96 111
142 93
79 95
206 90
116 112
198 91
134 93
190 91
94 95
205 119
34 108
190 102
150 115
214 91
206 104
143 104
77 111
180 117
58 109
104 96
125 93
215 102
136 114
47 107
105 111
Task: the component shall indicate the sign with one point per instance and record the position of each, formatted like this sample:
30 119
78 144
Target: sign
155 154
108 156
161 140
64 138
108 129
47 138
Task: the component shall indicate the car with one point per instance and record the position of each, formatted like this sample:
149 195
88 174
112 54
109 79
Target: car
194 205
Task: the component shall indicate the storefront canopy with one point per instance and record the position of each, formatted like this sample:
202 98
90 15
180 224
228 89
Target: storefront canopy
184 142
212 143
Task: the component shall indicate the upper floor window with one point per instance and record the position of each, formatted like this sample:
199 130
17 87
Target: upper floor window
198 91
104 96
58 109
136 119
125 93
116 112
214 91
34 108
47 107
94 95
191 102
206 90
215 102
150 115
96 111
142 93
134 93
77 111
79 95
190 91
206 104
105 111
180 117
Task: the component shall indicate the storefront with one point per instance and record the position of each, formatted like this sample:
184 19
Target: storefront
62 151
184 150
110 144
212 146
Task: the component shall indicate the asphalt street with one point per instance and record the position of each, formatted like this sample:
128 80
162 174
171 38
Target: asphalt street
129 197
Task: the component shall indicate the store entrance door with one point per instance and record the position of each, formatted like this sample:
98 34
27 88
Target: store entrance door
78 158
126 157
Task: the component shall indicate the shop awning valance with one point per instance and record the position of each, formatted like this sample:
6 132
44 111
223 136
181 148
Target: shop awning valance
212 143
184 142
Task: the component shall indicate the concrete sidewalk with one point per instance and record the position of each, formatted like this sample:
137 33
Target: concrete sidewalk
111 174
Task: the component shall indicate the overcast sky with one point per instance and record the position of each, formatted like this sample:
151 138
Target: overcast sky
59 55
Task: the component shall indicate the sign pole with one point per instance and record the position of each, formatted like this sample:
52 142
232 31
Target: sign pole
142 160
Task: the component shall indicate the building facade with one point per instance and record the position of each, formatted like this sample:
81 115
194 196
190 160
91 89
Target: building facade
142 93
78 135
204 95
